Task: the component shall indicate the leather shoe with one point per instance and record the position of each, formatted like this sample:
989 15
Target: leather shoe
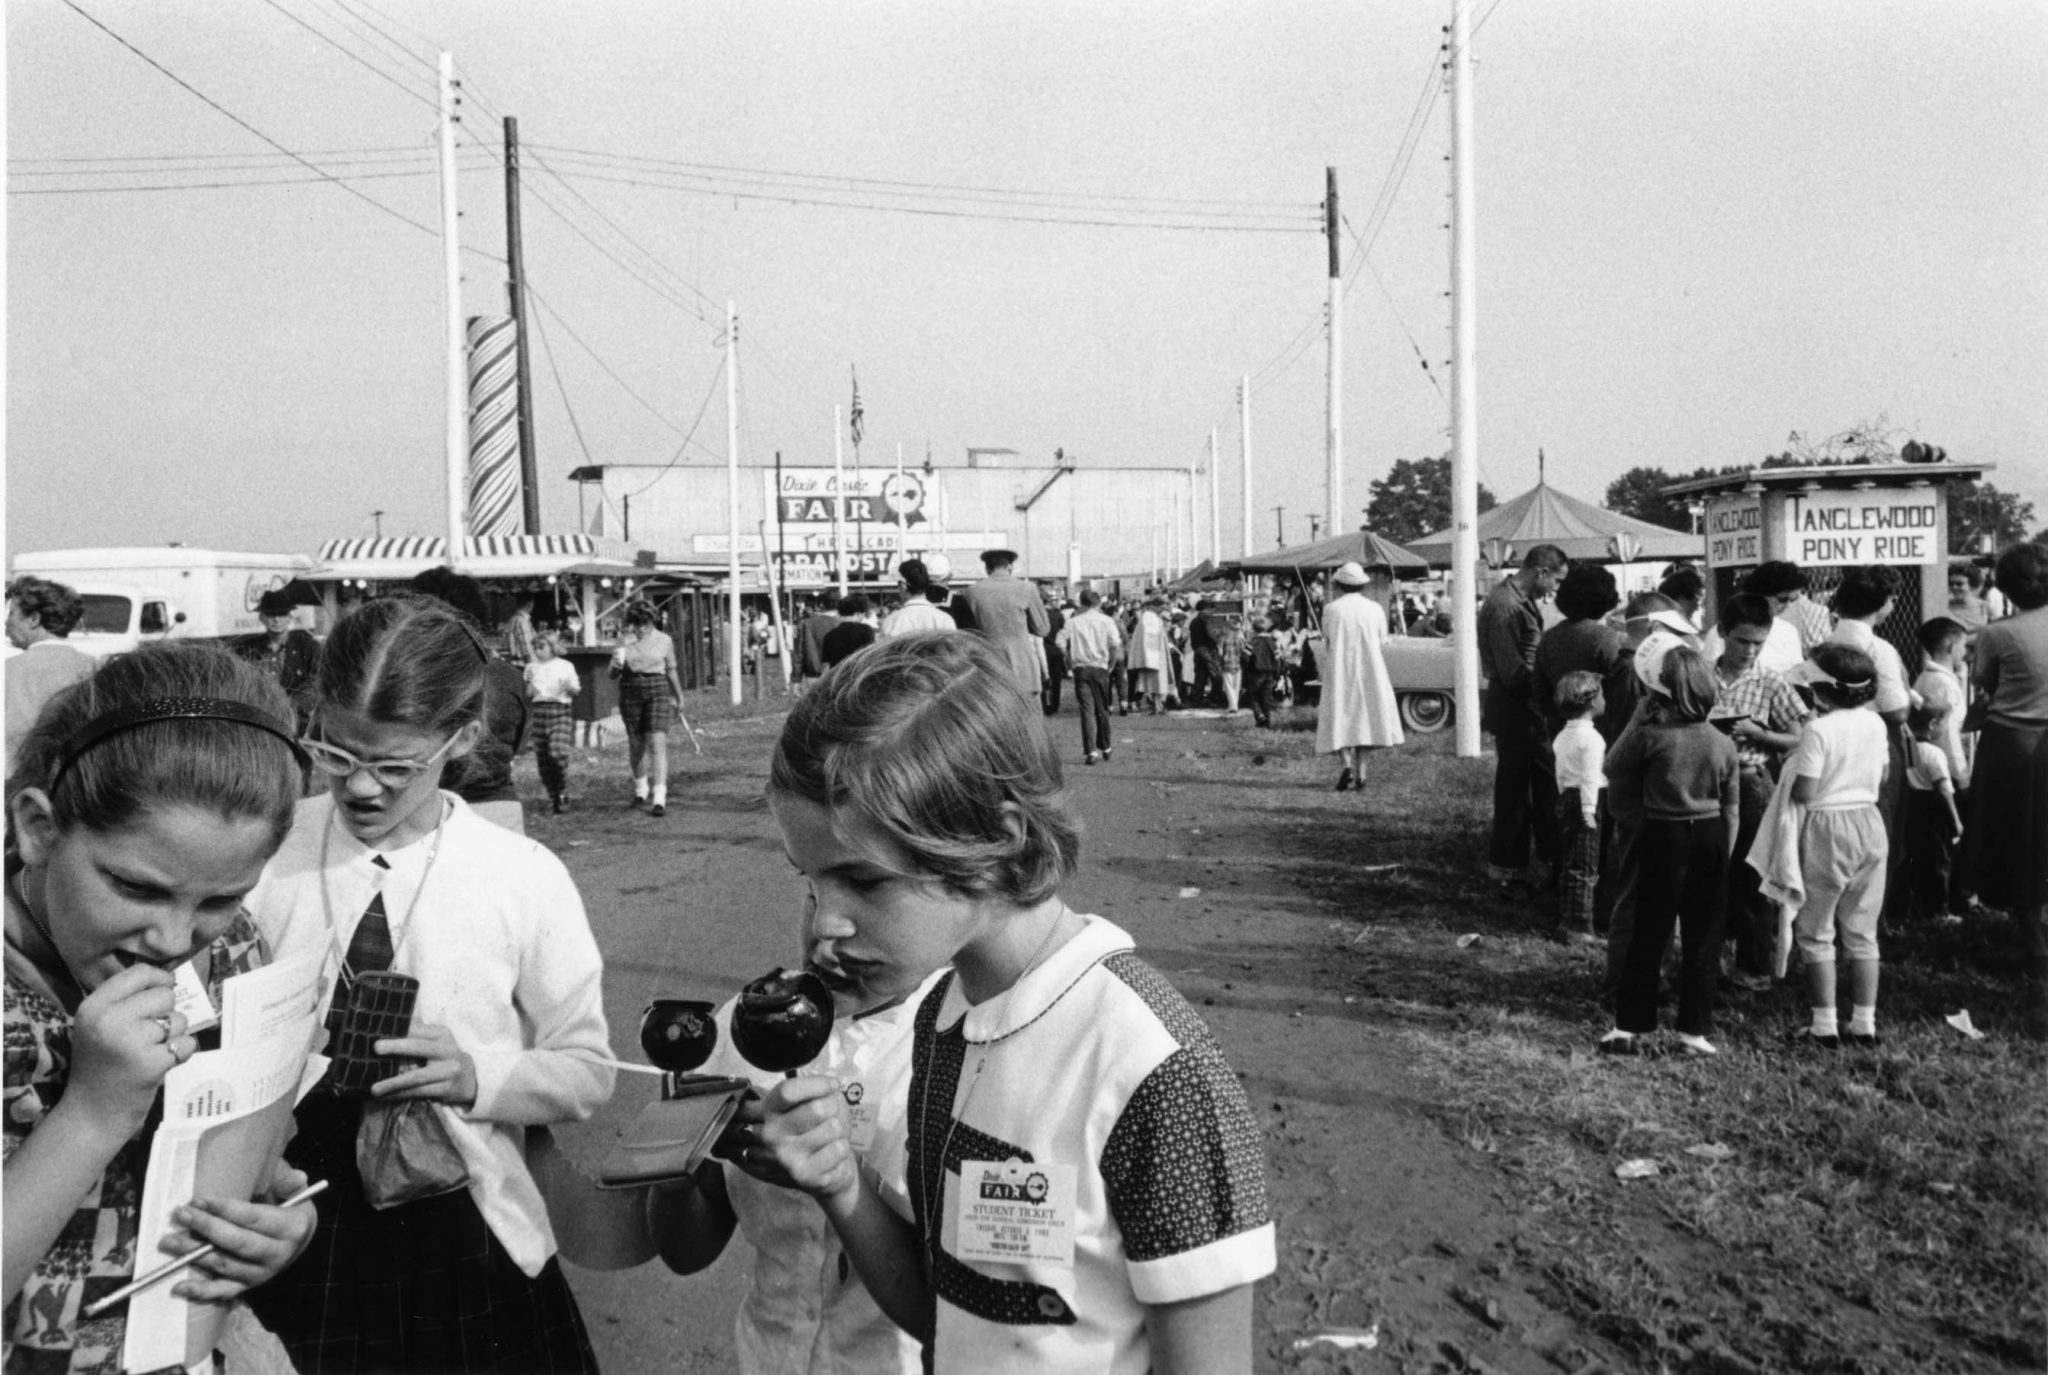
1346 781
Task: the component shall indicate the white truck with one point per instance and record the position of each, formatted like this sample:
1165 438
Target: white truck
134 595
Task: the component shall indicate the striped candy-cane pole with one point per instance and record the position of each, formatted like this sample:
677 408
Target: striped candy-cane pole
493 428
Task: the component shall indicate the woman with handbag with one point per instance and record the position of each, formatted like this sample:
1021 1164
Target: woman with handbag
433 1251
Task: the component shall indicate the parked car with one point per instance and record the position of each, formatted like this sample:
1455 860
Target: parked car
1424 671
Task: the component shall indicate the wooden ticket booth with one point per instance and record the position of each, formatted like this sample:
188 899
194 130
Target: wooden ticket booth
1829 520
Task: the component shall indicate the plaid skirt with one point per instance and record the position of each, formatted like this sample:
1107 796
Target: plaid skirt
423 1288
554 734
646 703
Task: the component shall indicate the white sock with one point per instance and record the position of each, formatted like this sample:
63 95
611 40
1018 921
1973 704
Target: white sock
661 794
1863 1021
1824 1021
640 788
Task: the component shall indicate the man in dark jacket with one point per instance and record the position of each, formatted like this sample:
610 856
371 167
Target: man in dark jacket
1510 626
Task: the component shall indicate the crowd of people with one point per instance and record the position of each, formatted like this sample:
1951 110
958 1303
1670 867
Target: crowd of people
1783 783
1776 788
176 816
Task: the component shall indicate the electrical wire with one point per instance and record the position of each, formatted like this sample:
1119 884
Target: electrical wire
431 102
691 436
215 185
597 358
561 390
216 105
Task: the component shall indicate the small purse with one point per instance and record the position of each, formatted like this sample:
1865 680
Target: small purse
404 1153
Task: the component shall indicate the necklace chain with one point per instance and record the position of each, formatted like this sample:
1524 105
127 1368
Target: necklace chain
935 1184
29 908
404 927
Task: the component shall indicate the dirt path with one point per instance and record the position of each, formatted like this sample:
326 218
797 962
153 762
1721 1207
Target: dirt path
1387 1225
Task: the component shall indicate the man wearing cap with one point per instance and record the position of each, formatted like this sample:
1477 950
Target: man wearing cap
1008 611
289 655
1357 711
1510 626
40 615
924 598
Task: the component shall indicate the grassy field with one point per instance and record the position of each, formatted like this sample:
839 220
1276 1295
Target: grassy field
1860 1211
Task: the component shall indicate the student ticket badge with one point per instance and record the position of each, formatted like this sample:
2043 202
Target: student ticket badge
190 999
860 1111
1014 1212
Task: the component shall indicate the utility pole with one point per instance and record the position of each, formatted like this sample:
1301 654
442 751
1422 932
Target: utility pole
1244 446
1464 391
1334 441
456 433
515 259
1280 526
1315 527
378 517
1215 509
733 635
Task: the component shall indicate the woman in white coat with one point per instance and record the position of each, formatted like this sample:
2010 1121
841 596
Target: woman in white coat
1149 659
1357 711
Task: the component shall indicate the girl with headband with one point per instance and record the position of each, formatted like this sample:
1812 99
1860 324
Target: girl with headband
140 813
387 871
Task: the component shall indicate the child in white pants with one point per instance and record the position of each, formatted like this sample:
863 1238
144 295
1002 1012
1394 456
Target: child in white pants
1839 767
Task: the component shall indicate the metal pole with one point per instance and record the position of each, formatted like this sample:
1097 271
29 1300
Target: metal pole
732 498
515 258
1334 441
457 426
902 516
838 500
1215 506
1464 392
1244 445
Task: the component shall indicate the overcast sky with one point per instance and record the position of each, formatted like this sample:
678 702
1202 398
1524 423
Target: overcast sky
1701 226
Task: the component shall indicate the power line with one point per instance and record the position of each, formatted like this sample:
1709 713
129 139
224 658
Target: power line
216 105
341 181
785 199
821 181
431 102
596 357
689 438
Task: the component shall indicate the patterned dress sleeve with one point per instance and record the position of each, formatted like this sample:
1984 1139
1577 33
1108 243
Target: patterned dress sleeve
1185 1176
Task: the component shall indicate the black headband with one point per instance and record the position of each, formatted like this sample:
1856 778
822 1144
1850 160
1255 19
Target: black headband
112 723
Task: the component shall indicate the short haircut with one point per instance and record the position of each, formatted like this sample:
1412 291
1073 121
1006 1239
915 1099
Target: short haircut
853 604
459 590
405 661
1648 604
1576 693
1745 608
1920 719
1683 584
1775 578
1090 598
1687 684
2023 575
55 606
936 592
926 739
226 768
1939 632
1854 674
1546 558
1587 593
1967 573
640 613
1865 590
915 578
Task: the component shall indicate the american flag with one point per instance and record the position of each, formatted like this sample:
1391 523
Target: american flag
853 419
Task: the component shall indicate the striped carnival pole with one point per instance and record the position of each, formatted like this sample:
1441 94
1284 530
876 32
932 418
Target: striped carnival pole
494 487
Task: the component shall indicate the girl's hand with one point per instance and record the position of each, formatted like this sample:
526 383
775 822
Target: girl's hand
805 1136
124 1039
256 1240
448 1076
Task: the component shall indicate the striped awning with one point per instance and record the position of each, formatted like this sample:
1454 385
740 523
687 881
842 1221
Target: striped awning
502 556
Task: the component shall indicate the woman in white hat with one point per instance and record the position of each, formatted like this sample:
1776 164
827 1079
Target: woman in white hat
1357 711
